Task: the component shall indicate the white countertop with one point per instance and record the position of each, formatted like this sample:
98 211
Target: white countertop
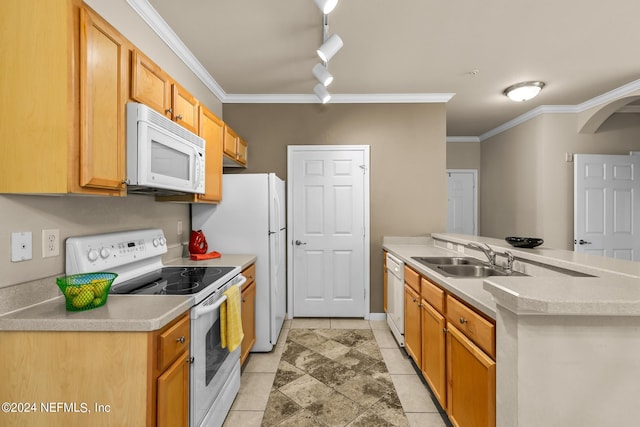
120 313
614 292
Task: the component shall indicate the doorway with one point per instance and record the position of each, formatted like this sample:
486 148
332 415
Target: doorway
462 212
606 205
328 218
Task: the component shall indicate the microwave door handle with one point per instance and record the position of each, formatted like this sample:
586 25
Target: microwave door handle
201 310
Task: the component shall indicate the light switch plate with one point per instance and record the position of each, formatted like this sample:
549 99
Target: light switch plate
21 246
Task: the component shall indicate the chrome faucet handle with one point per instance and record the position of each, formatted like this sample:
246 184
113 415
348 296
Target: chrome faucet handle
510 260
487 250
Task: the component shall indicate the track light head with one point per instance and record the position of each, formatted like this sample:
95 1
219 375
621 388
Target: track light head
330 47
322 93
326 6
322 74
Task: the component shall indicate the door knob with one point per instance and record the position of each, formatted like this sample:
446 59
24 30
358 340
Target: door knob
581 242
298 243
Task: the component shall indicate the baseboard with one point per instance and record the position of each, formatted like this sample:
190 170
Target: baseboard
377 316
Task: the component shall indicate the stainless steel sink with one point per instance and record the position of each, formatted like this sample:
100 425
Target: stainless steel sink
461 267
447 260
471 270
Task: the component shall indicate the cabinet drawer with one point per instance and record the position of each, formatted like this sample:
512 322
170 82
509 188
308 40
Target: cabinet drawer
475 327
250 274
412 278
432 294
173 341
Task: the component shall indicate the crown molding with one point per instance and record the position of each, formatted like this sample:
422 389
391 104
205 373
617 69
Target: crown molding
381 98
463 139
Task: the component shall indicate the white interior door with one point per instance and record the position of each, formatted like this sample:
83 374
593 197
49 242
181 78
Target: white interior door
328 229
463 203
606 206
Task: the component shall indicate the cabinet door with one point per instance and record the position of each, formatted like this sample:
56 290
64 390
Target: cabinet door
471 382
173 394
103 80
433 351
149 84
248 320
242 151
185 108
230 142
412 324
212 130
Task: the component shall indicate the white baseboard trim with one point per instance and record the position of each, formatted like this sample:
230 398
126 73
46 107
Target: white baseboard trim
377 316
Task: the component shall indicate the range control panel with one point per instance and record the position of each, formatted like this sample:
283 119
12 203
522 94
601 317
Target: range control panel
111 251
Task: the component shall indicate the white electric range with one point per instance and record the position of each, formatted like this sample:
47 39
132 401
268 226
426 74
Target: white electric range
136 256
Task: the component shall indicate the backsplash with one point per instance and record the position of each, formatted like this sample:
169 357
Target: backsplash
77 216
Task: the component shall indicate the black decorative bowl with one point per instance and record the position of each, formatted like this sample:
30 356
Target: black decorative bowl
524 242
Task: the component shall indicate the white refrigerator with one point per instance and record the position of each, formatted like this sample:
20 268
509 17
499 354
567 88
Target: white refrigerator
251 219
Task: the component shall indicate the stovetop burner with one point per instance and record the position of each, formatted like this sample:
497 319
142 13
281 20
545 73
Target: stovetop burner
172 281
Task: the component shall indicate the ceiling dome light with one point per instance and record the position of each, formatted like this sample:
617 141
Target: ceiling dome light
322 93
326 6
523 91
322 74
330 47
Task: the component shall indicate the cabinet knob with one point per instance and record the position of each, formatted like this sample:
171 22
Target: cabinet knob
181 340
244 300
168 111
189 360
463 320
179 117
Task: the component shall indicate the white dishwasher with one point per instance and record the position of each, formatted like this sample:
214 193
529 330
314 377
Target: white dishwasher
395 297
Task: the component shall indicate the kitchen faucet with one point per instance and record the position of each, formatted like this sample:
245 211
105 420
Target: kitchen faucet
489 253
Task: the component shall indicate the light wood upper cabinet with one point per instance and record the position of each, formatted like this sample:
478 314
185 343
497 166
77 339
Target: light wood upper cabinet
104 57
235 149
64 104
150 85
212 130
184 108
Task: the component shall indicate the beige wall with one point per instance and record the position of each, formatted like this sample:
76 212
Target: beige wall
526 187
408 150
463 155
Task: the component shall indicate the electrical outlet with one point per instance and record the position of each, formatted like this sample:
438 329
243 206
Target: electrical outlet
21 246
50 243
461 249
179 228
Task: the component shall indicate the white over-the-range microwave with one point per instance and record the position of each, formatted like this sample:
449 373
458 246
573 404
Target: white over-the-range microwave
162 156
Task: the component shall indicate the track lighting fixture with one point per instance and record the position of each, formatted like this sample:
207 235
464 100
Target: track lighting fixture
322 93
326 6
330 47
322 74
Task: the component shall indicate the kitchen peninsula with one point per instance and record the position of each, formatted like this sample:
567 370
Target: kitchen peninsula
567 332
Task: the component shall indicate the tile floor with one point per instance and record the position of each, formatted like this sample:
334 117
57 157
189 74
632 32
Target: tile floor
260 370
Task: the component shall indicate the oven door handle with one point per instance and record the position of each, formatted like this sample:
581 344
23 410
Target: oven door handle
201 310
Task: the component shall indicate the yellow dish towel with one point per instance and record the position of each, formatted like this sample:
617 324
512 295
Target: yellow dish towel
230 320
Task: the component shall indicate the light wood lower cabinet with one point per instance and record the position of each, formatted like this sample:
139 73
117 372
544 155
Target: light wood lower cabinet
412 339
123 378
471 382
433 351
248 312
454 348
